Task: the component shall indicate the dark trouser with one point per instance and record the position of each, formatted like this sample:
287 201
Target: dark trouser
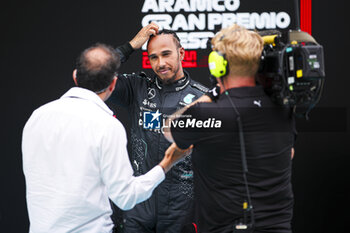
117 218
168 214
148 217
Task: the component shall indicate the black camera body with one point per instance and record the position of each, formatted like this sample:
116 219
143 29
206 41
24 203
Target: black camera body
292 69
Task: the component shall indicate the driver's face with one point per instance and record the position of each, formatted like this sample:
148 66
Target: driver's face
165 58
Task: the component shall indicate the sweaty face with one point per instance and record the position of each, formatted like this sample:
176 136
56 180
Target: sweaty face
165 58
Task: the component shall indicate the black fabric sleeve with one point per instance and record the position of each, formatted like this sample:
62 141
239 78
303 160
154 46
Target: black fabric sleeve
124 51
124 92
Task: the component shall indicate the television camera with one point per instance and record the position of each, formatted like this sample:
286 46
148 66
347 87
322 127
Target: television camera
292 69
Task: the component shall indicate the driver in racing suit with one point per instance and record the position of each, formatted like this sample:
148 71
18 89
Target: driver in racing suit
149 100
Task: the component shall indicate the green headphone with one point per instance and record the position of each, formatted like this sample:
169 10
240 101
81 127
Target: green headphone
217 64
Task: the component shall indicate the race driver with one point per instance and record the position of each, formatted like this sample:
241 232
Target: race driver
149 100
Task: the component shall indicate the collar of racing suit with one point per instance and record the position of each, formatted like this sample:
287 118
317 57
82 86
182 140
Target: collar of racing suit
178 85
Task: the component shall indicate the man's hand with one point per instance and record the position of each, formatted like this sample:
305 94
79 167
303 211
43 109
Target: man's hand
166 130
202 99
172 155
143 35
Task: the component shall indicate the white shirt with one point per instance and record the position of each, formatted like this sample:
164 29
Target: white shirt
74 158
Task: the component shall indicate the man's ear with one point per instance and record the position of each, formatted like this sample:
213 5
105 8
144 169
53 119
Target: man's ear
182 53
112 85
75 77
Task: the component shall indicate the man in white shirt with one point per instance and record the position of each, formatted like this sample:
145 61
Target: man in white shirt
75 155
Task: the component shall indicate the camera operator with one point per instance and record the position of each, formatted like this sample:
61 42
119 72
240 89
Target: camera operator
246 122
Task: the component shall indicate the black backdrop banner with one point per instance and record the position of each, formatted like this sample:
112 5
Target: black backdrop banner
40 41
